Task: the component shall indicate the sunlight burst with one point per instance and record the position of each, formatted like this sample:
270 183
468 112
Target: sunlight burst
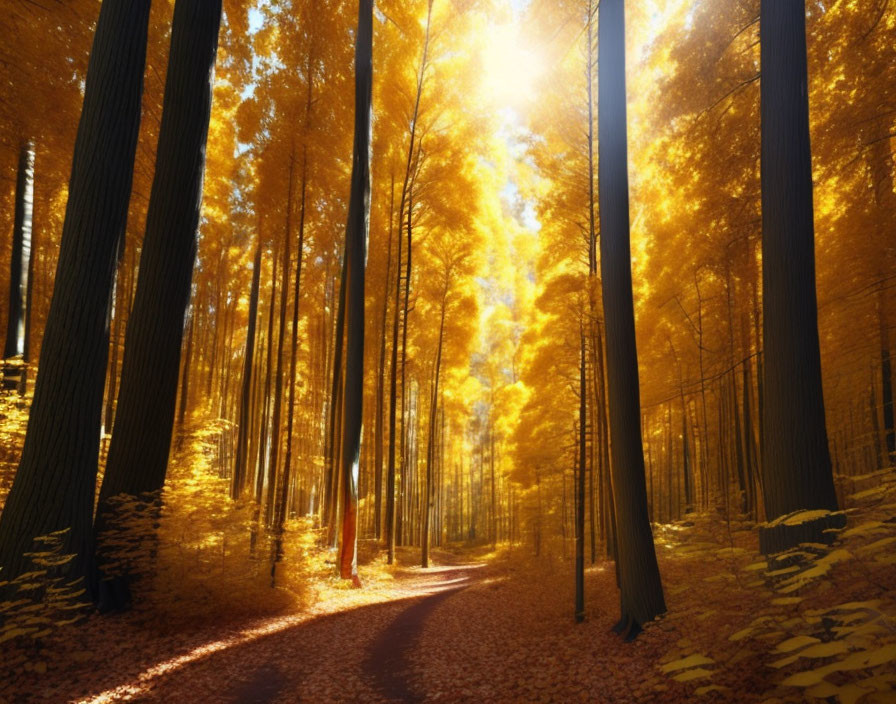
511 68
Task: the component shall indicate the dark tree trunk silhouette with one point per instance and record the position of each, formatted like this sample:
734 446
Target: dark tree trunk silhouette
355 261
640 585
54 486
138 453
144 422
796 460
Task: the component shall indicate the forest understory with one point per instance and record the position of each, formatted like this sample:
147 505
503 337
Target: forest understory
486 624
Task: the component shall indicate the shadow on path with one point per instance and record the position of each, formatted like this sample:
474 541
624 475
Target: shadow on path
387 665
264 685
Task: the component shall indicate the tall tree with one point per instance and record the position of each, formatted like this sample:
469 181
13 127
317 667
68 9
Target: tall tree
241 460
138 452
55 483
20 235
580 488
639 577
796 459
355 262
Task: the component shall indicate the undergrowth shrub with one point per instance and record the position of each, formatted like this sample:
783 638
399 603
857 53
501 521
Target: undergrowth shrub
36 603
191 553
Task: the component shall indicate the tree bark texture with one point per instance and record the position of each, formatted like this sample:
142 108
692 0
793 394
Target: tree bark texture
356 232
641 589
54 486
796 460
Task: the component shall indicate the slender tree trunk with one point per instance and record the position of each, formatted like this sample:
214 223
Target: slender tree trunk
381 381
242 444
20 235
118 315
334 431
393 404
886 375
281 336
185 377
641 589
54 486
580 489
430 449
282 508
406 200
29 287
796 460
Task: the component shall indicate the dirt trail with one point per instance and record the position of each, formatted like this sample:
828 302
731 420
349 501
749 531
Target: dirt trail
372 663
387 665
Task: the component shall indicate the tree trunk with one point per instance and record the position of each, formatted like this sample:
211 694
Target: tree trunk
886 375
27 345
54 486
641 589
281 509
117 314
281 337
393 407
580 490
138 453
381 382
796 460
20 234
185 377
430 449
242 444
356 260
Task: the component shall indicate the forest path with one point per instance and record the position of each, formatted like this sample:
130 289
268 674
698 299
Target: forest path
382 638
357 654
387 664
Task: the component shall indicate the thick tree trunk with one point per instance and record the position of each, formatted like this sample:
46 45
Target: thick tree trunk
796 460
141 439
54 486
138 453
641 589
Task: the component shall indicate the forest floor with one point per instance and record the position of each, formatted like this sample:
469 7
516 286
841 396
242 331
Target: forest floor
498 628
485 625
